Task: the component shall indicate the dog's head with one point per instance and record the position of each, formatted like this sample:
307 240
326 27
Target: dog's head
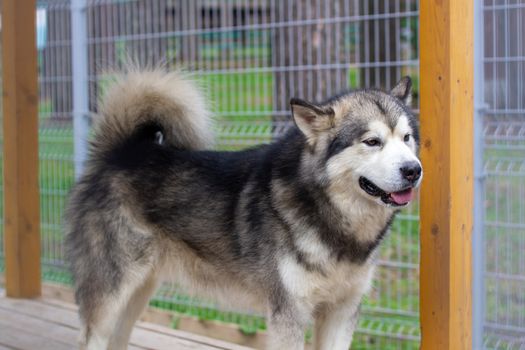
364 141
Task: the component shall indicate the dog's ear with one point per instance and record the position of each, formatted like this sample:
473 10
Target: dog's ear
310 118
403 90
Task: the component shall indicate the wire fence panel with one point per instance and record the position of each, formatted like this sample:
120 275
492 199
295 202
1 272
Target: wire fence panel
251 57
56 130
504 166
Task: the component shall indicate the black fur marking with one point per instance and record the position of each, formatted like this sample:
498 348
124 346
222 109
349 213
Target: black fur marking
414 125
320 213
337 145
287 160
372 246
303 260
234 238
196 248
278 299
412 121
299 255
348 136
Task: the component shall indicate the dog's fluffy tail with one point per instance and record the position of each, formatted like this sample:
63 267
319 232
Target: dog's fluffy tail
151 106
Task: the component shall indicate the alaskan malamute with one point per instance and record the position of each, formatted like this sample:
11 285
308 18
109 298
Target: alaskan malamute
292 226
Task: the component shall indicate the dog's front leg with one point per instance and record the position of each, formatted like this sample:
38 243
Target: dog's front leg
286 327
335 325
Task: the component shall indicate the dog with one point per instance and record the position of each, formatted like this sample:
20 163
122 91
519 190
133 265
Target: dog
292 226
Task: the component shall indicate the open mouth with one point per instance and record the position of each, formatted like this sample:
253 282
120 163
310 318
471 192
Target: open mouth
398 198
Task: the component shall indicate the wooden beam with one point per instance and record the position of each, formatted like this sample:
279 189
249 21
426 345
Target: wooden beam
20 107
446 71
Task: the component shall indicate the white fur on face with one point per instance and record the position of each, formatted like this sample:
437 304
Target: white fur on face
379 164
384 163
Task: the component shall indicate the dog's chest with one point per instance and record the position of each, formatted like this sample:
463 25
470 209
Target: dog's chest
333 283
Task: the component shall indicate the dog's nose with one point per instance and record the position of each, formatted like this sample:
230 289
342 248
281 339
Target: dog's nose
411 171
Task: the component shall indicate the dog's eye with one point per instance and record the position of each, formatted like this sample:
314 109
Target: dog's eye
372 142
406 138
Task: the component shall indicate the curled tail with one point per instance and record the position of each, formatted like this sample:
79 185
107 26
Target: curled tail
151 106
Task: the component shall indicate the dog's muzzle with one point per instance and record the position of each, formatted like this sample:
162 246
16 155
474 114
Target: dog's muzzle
398 198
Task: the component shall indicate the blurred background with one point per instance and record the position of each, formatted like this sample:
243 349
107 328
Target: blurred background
251 57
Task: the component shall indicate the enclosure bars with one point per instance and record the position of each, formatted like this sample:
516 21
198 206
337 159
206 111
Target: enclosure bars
478 234
446 71
79 55
20 107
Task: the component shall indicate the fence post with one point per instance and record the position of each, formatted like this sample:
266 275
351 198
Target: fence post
20 106
79 55
446 76
478 236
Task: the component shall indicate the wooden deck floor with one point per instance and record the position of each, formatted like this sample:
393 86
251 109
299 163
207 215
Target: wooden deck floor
46 324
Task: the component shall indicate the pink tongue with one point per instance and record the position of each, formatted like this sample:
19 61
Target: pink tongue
402 197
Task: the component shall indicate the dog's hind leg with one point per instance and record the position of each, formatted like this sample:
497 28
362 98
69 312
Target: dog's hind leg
114 311
132 311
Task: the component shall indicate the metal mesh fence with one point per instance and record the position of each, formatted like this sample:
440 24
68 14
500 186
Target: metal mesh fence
504 178
251 57
55 131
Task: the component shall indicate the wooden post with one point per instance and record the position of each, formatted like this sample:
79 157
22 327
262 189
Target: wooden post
20 105
446 71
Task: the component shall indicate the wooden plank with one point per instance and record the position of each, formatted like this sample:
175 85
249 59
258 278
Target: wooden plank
62 296
20 339
59 319
42 311
216 343
20 107
160 341
55 291
155 328
183 332
49 330
59 314
446 71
